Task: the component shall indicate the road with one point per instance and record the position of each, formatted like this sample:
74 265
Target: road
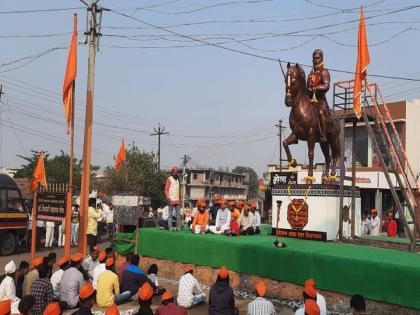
170 284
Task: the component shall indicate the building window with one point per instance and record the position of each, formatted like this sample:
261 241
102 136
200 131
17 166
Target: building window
194 176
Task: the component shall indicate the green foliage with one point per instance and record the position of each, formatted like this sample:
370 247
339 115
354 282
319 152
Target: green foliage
56 168
253 179
138 176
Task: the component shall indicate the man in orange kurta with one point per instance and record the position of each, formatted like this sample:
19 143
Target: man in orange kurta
200 224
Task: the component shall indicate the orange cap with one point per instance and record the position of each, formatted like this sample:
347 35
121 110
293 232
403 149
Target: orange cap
96 248
240 203
373 210
261 288
310 282
174 168
86 291
5 307
252 203
187 268
112 310
109 262
310 291
311 307
201 203
247 207
62 261
102 256
52 309
37 261
235 215
145 292
76 257
167 296
223 272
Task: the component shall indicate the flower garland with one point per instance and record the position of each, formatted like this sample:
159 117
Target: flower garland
289 194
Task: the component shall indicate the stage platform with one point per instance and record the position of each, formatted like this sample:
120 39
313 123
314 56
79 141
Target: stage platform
385 275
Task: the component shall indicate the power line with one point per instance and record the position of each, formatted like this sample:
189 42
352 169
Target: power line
40 10
159 132
293 32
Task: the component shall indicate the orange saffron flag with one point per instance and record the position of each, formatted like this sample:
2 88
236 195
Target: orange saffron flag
70 77
120 156
39 174
363 61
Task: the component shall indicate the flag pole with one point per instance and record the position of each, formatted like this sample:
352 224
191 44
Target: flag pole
69 198
33 238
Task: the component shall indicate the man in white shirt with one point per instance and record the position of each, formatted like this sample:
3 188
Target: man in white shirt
49 233
366 224
261 306
190 292
222 219
91 261
246 222
7 286
257 216
309 292
376 222
99 268
63 264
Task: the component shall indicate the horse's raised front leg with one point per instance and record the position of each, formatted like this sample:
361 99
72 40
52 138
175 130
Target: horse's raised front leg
291 139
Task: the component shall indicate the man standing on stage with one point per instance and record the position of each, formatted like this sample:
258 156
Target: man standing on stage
376 222
173 195
318 85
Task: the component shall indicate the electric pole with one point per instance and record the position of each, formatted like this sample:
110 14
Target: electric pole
185 160
93 33
1 91
159 132
281 127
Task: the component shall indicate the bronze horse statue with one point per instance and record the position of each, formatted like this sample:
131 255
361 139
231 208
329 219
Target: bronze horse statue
303 121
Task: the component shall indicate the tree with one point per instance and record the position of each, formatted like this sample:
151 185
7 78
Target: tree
139 176
253 179
56 168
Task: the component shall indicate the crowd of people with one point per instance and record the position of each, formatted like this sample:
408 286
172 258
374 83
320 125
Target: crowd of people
100 225
80 283
371 225
232 218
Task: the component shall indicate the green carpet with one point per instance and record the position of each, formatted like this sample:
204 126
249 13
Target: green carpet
378 274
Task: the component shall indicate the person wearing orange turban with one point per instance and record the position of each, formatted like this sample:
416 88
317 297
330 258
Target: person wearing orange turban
100 268
108 287
257 215
169 307
213 210
52 309
173 196
246 222
222 219
260 305
376 222
145 295
190 292
200 224
311 308
63 264
221 298
31 276
87 296
112 310
310 293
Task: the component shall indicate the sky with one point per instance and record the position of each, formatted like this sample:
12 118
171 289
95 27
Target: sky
220 107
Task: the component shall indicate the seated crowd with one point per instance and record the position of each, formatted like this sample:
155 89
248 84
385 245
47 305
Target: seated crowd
80 282
232 218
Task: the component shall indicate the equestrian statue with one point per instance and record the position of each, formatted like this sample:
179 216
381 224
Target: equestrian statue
310 118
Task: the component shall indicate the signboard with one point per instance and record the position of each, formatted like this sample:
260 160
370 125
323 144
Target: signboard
305 235
284 178
126 215
51 206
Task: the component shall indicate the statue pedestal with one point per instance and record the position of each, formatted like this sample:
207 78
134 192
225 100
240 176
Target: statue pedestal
313 211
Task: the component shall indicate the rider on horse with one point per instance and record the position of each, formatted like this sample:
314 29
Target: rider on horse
318 85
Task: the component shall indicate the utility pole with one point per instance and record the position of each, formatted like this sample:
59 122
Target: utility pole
159 132
93 33
1 91
281 127
185 160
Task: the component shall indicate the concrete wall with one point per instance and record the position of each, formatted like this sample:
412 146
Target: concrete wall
412 134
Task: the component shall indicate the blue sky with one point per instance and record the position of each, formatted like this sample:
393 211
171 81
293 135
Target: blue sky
220 107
